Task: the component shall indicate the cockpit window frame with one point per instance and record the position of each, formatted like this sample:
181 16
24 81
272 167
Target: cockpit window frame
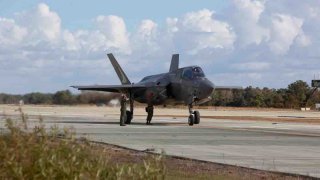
198 72
188 76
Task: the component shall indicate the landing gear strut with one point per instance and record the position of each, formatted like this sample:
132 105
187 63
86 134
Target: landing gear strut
130 113
194 116
126 116
123 110
149 110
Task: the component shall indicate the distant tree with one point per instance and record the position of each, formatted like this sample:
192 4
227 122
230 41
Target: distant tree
222 98
64 97
268 97
96 97
297 94
279 98
314 99
259 100
9 99
37 98
238 98
253 97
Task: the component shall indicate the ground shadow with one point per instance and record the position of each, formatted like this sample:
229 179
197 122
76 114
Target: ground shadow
132 124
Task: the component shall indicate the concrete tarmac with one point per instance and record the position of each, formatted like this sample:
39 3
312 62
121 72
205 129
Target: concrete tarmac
276 146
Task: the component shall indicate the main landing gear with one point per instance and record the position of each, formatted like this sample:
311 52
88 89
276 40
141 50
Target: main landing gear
129 113
194 116
126 116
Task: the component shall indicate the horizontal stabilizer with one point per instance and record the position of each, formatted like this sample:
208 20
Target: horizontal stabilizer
174 63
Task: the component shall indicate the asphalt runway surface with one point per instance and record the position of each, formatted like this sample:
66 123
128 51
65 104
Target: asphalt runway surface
276 146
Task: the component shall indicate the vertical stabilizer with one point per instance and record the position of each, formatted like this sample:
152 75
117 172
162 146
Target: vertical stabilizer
122 76
174 62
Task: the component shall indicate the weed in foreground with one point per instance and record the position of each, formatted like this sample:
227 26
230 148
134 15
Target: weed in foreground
43 154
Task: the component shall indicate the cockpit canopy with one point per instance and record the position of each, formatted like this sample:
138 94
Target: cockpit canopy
192 73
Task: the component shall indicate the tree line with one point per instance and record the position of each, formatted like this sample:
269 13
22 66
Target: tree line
64 97
296 95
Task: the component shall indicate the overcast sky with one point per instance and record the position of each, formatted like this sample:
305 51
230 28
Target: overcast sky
47 46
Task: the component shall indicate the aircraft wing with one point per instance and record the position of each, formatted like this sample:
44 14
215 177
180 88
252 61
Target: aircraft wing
228 88
110 88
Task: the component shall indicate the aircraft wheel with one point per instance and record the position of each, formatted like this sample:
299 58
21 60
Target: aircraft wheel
129 117
196 117
191 120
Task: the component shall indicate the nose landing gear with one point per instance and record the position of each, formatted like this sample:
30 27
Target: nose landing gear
194 116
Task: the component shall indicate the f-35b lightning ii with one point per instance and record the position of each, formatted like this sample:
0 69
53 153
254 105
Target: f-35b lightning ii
187 85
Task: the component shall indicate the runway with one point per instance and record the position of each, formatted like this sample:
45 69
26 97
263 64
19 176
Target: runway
268 145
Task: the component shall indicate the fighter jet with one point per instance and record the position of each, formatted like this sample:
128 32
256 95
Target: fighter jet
187 85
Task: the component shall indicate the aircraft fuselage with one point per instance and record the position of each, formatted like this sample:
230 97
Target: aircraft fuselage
183 86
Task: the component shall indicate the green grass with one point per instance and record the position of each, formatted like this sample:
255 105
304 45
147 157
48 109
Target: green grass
42 154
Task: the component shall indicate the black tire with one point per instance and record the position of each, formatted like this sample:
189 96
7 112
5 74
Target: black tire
196 117
129 117
191 120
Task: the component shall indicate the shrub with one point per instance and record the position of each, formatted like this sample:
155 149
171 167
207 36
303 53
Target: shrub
55 154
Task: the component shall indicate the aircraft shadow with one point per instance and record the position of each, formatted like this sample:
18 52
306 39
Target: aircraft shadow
117 123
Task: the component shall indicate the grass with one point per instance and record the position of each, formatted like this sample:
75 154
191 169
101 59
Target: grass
42 154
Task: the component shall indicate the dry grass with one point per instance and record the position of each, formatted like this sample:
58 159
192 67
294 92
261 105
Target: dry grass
42 154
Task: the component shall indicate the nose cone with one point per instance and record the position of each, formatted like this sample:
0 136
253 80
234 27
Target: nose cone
207 87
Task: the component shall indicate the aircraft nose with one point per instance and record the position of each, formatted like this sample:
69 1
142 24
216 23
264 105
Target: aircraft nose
207 87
